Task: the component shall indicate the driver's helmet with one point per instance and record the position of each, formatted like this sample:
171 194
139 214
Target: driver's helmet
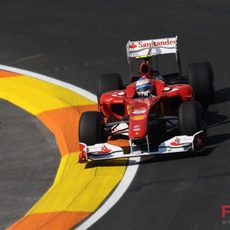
143 87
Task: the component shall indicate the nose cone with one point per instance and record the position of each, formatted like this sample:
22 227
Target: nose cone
138 117
137 126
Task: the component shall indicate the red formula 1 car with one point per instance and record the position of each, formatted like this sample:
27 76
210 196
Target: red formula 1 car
157 113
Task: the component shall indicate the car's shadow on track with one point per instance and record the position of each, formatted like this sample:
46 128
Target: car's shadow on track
215 119
107 163
222 95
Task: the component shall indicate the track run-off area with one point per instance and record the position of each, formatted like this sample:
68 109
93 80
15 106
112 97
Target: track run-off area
78 189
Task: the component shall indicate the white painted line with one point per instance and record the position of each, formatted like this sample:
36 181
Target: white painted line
132 165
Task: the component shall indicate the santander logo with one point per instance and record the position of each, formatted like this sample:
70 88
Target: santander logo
149 43
104 149
132 46
176 142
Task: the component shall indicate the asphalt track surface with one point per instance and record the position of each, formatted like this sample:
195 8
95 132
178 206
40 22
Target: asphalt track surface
75 41
24 162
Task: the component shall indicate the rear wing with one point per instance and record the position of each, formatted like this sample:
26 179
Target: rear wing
152 47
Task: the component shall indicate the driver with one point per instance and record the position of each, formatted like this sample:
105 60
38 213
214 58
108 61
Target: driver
144 87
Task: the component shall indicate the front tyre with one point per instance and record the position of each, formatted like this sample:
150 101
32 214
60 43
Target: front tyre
191 118
92 128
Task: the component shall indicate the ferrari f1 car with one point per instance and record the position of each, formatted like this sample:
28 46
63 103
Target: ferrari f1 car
157 113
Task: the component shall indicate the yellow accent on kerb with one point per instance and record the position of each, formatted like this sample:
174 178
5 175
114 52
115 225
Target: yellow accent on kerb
36 96
78 188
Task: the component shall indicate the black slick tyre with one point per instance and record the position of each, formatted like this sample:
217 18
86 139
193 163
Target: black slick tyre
200 77
191 118
108 82
91 128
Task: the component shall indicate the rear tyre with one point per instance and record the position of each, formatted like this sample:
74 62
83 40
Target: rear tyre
191 118
108 82
200 77
92 128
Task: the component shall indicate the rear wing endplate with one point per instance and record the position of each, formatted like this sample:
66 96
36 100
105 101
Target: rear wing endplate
152 47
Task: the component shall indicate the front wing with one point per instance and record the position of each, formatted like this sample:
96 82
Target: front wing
177 144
